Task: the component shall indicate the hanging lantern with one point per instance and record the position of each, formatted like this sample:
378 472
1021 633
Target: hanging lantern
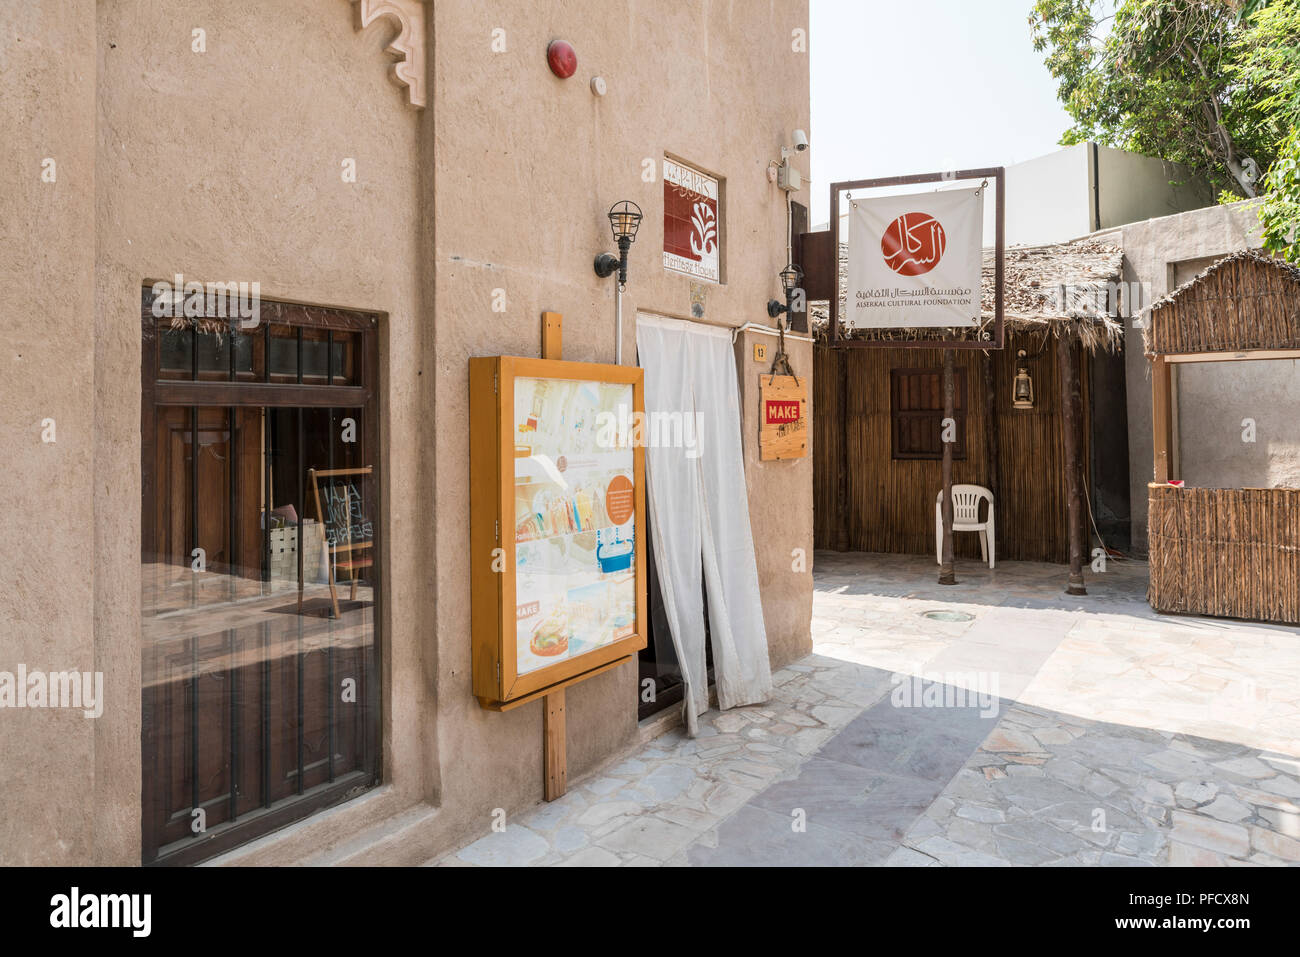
1022 391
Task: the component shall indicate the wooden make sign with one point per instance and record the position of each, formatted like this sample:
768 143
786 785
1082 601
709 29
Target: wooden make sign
782 417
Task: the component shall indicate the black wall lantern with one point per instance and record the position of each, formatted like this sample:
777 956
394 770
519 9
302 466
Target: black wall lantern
791 276
624 220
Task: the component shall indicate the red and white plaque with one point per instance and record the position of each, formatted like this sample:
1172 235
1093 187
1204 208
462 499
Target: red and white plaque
692 229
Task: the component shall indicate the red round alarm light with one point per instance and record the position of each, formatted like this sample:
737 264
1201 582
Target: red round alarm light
562 59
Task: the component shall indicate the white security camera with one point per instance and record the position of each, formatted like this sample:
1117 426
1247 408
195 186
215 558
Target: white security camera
800 139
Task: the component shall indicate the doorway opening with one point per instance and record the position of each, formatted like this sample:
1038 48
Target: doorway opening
659 678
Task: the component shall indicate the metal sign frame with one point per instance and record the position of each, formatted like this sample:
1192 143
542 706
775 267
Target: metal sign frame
998 175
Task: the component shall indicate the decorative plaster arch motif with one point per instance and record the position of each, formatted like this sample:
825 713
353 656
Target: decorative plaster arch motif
407 47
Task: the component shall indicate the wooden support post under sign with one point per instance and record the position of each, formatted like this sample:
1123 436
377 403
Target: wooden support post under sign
842 407
557 769
1067 353
554 757
991 428
947 574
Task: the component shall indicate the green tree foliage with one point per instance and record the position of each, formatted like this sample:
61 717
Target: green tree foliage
1161 82
1267 57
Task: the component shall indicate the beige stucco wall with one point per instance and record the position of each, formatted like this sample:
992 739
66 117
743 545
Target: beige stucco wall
1215 400
226 166
778 489
48 577
527 166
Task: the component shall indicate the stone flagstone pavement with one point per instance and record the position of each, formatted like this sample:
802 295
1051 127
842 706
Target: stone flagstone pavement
1107 735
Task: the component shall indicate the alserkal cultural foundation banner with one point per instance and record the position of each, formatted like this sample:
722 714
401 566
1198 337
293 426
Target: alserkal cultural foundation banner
914 261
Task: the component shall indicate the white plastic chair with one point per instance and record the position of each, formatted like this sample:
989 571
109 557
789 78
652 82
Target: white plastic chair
966 518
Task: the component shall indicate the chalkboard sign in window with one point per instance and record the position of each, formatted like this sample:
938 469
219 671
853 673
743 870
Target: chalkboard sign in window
341 506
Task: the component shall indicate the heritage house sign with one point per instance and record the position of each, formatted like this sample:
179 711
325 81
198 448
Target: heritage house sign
692 222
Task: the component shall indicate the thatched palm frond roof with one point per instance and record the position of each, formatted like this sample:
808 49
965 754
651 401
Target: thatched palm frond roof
1248 300
1285 269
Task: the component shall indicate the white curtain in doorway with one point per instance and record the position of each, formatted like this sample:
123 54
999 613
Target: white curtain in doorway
699 510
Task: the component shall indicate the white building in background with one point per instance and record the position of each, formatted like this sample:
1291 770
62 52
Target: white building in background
1080 189
1083 188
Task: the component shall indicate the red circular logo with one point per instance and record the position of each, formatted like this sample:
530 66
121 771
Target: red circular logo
913 244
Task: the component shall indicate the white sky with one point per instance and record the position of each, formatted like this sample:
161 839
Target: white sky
921 86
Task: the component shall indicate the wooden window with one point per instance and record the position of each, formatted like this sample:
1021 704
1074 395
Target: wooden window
916 413
260 600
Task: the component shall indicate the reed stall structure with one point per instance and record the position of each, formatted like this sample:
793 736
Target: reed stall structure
877 467
1226 552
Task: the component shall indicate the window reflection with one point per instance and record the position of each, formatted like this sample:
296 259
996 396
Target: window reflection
260 660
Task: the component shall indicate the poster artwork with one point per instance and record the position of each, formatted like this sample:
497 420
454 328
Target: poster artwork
575 521
915 261
692 234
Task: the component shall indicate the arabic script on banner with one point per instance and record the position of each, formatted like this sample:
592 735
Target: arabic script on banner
914 261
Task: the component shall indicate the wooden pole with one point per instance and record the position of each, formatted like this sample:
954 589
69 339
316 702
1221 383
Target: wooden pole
1085 450
991 430
555 760
1161 418
1067 355
947 574
842 536
554 749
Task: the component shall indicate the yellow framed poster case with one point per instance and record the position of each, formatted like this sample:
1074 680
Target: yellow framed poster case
557 523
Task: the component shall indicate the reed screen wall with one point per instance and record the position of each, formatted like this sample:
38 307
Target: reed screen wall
1227 552
890 503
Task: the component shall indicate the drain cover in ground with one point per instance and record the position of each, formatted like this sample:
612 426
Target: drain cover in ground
947 616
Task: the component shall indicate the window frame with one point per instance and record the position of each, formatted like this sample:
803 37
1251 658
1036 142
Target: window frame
897 416
264 391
